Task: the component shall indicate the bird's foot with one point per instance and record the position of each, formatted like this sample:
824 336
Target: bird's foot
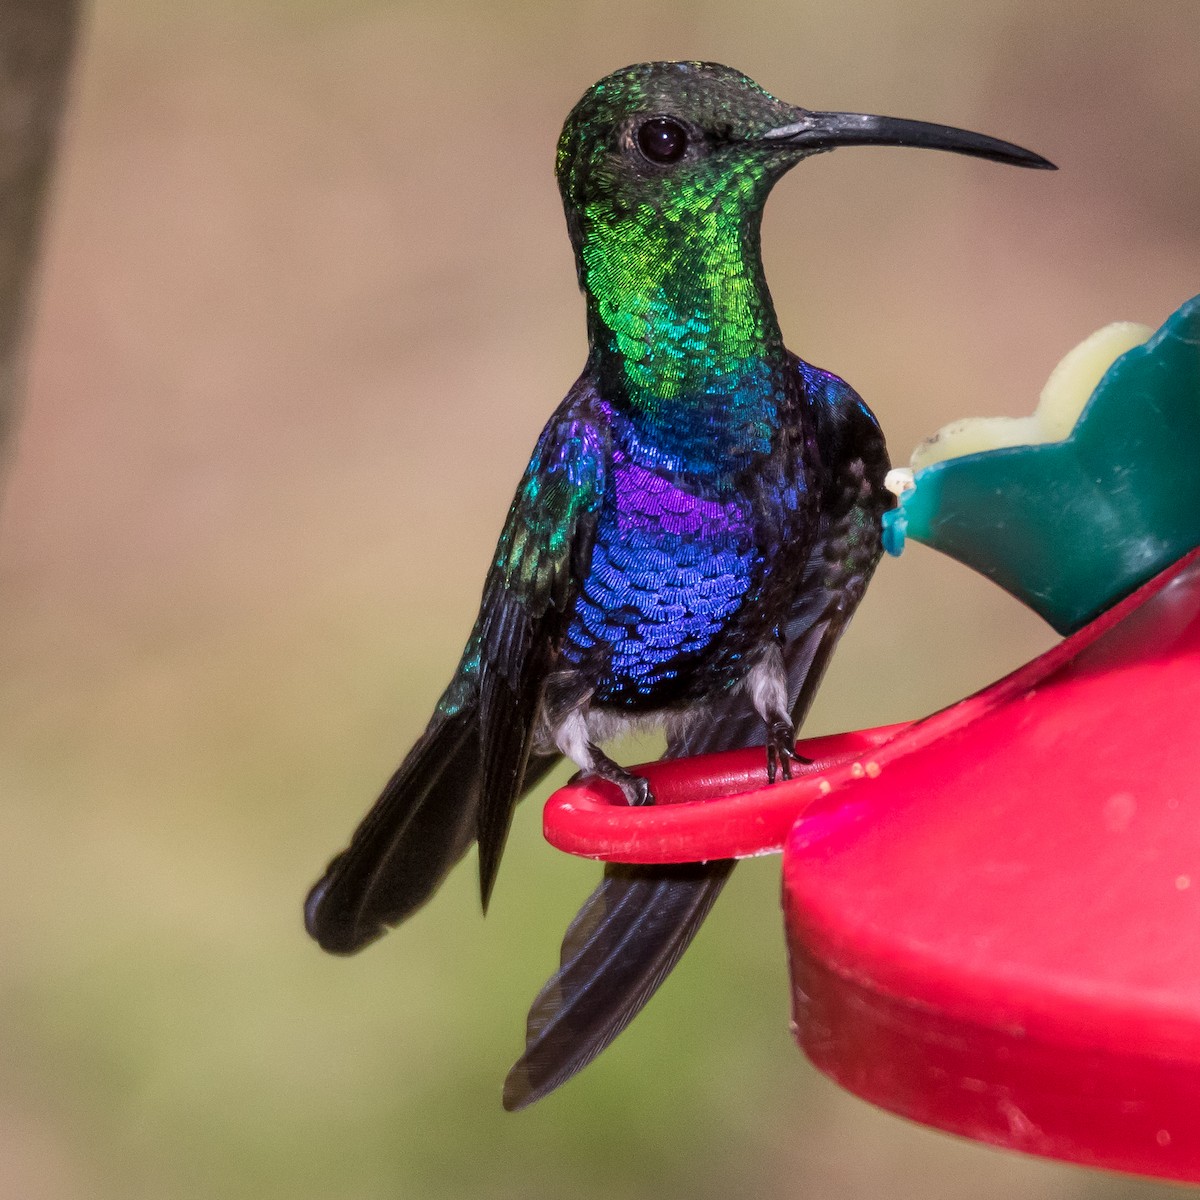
634 788
781 750
637 791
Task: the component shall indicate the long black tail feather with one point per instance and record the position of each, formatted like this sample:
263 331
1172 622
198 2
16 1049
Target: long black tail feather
621 946
637 924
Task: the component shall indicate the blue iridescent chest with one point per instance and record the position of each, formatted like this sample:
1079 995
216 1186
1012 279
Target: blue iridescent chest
667 607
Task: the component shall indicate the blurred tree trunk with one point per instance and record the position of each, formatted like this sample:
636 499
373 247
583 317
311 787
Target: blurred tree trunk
36 40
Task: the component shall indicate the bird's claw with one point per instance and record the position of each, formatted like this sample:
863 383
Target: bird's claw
634 788
638 792
781 750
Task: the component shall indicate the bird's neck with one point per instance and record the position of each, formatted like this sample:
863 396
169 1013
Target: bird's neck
680 321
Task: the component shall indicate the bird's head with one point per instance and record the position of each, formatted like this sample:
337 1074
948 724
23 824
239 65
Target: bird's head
694 138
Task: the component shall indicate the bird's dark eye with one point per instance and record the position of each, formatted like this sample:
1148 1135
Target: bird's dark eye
662 140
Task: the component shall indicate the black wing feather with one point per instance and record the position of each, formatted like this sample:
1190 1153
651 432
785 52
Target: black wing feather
541 561
420 826
464 776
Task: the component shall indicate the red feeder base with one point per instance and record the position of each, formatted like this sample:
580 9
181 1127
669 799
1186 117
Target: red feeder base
1003 939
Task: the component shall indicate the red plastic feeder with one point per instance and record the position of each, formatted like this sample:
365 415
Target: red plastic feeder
993 914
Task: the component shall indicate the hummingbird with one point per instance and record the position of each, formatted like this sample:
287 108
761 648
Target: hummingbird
696 525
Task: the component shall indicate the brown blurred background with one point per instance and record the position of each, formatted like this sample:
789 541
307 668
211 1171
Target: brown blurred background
306 300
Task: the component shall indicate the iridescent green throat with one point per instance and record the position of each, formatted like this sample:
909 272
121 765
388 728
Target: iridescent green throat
678 306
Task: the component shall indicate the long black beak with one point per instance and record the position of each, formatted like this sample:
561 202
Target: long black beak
824 130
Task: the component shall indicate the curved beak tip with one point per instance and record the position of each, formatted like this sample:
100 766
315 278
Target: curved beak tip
816 131
1020 157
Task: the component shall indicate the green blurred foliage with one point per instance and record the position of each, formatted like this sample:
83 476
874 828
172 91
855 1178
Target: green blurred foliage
306 302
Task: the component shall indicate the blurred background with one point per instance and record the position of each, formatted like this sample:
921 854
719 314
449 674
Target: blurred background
306 300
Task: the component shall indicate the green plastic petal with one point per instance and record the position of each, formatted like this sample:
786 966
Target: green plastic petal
1072 527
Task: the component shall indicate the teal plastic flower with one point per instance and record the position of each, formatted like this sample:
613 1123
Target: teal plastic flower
1071 527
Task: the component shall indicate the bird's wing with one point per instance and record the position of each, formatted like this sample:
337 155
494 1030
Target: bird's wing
637 924
541 560
421 825
465 773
